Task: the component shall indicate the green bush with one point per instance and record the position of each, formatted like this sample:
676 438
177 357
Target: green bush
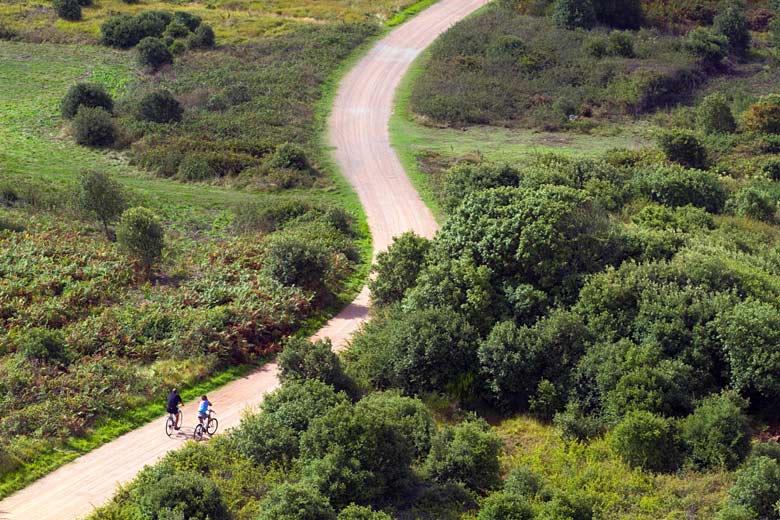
505 506
177 48
100 195
714 115
85 94
717 433
620 44
754 202
289 156
302 359
596 46
356 512
647 441
141 236
467 453
191 21
769 449
160 107
153 23
153 53
683 148
409 416
189 494
93 127
523 482
195 168
176 30
295 502
68 9
397 268
757 488
675 186
293 261
733 24
238 93
202 37
764 116
573 14
706 45
465 179
121 31
44 345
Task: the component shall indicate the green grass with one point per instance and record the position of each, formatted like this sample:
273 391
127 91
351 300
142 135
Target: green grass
410 12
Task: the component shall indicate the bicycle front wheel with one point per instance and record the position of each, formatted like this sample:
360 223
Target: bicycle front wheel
197 434
169 424
212 426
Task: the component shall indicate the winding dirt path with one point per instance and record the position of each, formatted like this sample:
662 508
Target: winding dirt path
358 131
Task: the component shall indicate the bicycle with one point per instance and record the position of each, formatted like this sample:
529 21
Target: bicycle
170 424
210 427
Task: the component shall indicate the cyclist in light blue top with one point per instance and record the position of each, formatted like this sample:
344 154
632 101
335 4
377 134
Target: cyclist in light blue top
203 409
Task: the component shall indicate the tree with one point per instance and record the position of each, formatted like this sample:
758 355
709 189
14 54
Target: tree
100 195
647 441
85 94
505 506
292 260
356 512
194 496
141 236
683 148
706 45
302 359
717 433
295 502
153 53
68 9
159 106
93 127
757 488
714 115
733 24
397 268
202 37
574 14
676 186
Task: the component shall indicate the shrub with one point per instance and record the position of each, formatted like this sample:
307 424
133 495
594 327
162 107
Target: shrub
294 261
295 502
68 9
202 37
160 107
757 487
683 148
85 94
596 46
192 495
176 30
189 20
764 116
93 127
153 23
153 53
397 268
121 31
573 14
523 482
238 93
754 202
409 416
355 512
195 168
620 14
505 506
769 449
45 345
676 186
288 156
714 115
709 47
647 441
467 453
141 236
733 24
620 44
717 433
100 195
177 48
302 359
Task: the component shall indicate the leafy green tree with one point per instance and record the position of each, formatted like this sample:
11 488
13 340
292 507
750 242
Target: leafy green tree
683 148
141 236
733 24
295 502
85 94
397 268
574 14
714 115
757 488
356 512
410 417
467 453
647 441
505 506
102 196
676 186
292 260
717 433
192 495
706 45
159 106
302 359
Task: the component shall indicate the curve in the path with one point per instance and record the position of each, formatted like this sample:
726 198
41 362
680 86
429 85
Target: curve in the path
359 133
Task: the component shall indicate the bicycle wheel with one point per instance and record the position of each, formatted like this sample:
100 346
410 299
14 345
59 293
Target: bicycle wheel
212 426
169 424
197 434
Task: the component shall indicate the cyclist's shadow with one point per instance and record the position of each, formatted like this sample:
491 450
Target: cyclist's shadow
183 433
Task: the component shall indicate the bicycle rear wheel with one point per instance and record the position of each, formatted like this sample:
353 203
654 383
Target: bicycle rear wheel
169 424
212 426
197 434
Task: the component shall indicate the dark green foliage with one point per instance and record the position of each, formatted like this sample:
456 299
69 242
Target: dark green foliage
177 48
293 261
573 14
153 53
757 488
295 502
43 345
85 94
676 186
141 236
523 482
355 512
505 506
301 359
706 45
684 148
189 20
68 9
647 441
570 507
620 14
467 453
125 31
733 24
159 106
289 156
189 494
202 37
410 417
769 449
714 115
682 218
397 268
754 202
176 30
101 196
93 127
240 93
465 179
620 44
717 433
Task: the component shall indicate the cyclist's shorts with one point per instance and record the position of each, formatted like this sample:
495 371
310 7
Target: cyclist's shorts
203 415
173 410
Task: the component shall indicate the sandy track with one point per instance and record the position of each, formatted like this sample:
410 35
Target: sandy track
359 133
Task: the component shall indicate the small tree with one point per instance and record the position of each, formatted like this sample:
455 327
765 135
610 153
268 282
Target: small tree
714 115
160 107
301 359
93 127
153 53
85 94
195 496
398 267
706 45
757 488
647 441
202 37
295 502
505 506
291 260
141 235
764 116
717 433
68 9
683 148
573 14
100 195
733 24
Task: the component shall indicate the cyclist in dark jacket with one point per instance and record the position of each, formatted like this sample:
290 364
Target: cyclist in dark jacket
174 400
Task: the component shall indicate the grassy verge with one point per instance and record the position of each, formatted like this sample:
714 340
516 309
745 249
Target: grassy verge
410 12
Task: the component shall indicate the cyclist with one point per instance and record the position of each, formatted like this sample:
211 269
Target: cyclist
174 400
203 409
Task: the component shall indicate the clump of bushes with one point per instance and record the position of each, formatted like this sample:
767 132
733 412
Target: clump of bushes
153 53
397 268
202 37
125 31
188 494
714 115
43 345
94 127
68 9
756 492
733 25
717 432
683 148
706 45
648 441
764 116
85 94
159 106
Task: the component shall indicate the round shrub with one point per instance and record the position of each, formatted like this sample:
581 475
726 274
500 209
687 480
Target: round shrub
41 344
676 186
202 37
647 441
176 30
356 512
153 53
177 48
121 31
620 44
733 24
190 494
160 107
683 148
85 94
754 202
397 268
764 116
523 482
195 168
706 45
505 506
293 261
68 9
573 14
141 236
93 127
596 46
757 487
153 23
288 156
295 502
714 115
465 453
191 21
302 359
717 434
769 449
408 415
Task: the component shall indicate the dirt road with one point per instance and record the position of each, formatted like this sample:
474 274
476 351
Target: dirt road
358 131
